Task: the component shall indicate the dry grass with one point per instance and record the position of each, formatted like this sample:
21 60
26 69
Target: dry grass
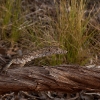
66 29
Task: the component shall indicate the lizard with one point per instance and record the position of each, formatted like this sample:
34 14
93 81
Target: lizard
47 51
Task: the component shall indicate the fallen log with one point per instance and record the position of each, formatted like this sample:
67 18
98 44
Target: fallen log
65 78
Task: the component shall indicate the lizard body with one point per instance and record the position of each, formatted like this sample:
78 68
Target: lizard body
33 55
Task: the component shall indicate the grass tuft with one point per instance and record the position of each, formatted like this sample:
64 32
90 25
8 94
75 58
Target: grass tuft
68 28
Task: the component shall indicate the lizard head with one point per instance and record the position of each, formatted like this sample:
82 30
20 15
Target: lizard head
53 50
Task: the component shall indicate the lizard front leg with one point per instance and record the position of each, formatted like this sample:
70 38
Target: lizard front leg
21 65
6 67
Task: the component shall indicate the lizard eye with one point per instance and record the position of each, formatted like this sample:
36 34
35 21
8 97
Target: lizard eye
13 49
57 49
48 49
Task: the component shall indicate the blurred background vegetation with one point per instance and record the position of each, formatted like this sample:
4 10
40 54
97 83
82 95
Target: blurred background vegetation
72 25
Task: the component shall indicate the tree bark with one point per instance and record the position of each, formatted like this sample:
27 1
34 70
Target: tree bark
65 78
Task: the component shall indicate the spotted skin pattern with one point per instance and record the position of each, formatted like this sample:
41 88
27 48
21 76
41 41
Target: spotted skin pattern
47 51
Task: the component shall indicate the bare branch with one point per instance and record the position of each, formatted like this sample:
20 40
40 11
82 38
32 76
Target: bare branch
59 78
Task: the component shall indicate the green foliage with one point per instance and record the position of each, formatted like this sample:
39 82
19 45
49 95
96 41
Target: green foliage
68 30
71 30
11 12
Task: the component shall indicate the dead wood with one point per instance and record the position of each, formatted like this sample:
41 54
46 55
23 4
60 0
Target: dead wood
60 78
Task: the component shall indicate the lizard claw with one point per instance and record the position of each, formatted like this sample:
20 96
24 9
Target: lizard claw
2 71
